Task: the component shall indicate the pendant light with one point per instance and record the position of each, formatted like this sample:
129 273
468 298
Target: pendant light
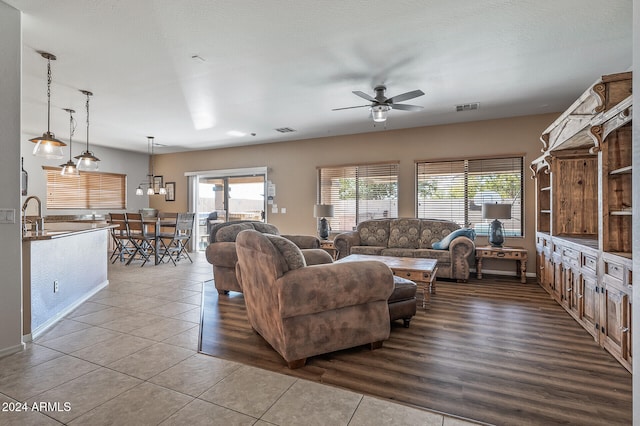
69 168
150 176
47 145
87 161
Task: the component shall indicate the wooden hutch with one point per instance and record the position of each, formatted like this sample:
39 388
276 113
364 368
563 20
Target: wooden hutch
583 213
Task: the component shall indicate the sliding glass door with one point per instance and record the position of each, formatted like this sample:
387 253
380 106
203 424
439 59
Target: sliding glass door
227 198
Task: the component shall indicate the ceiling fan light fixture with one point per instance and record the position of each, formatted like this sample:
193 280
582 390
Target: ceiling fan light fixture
379 113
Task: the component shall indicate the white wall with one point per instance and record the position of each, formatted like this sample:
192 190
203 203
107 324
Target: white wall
10 249
134 165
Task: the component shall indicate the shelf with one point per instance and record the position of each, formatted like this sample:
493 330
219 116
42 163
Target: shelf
621 213
546 188
621 170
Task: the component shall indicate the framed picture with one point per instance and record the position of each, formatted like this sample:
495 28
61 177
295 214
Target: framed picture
157 183
171 191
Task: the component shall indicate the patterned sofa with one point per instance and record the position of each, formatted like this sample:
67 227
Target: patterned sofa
408 237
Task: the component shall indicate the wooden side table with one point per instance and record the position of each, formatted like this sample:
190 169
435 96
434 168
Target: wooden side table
518 254
329 247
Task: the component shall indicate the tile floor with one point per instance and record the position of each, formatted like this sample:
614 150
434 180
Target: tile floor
129 356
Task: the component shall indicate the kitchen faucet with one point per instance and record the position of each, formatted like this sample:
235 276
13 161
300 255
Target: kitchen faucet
40 222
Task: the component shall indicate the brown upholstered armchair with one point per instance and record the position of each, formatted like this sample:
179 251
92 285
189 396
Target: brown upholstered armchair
221 252
301 310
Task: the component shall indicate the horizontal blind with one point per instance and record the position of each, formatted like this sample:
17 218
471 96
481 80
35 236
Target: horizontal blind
441 191
456 190
359 192
90 190
498 180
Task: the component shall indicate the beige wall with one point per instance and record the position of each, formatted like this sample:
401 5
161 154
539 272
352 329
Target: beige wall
292 165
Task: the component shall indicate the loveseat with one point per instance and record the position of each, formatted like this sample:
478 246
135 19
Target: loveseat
409 237
302 310
221 251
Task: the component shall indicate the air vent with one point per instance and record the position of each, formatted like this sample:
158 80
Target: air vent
468 107
285 130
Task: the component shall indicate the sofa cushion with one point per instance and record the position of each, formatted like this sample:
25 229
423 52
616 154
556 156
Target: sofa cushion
444 243
367 250
398 252
374 232
404 233
433 230
442 256
291 254
230 233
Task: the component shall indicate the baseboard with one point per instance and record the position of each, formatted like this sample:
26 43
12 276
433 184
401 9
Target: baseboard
52 321
11 350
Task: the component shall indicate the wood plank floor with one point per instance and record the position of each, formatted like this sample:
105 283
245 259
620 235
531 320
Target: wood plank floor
494 350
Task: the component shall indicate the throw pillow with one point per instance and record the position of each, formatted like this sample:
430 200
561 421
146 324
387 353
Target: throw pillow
444 243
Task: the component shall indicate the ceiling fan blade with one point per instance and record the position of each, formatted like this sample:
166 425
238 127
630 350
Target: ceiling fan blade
405 96
359 106
406 107
364 96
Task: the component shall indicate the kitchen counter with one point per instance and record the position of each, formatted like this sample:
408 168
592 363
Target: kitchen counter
63 229
62 267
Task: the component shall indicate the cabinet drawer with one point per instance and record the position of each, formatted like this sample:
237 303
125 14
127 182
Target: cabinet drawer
590 263
614 270
414 275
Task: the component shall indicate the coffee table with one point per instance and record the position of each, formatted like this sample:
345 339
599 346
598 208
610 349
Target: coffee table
421 271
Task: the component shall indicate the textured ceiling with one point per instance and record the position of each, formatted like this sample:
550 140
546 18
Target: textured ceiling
279 63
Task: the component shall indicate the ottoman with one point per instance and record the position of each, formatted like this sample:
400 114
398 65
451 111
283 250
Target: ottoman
402 302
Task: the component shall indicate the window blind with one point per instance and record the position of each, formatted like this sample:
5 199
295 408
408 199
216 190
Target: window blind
359 192
90 190
455 190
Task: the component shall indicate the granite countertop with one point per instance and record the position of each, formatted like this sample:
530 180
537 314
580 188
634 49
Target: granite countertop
64 229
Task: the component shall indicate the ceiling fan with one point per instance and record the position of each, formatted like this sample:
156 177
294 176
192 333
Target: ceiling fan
380 104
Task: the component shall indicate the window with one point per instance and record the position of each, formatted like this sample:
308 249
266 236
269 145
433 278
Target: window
359 192
455 190
90 190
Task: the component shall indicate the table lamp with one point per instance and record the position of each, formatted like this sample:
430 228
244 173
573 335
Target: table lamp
496 211
323 211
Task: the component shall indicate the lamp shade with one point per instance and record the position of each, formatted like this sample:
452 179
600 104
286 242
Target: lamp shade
496 211
323 210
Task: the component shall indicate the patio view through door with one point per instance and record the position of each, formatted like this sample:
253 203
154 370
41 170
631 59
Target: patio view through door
228 198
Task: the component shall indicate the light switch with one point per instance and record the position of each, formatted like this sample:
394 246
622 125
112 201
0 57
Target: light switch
7 215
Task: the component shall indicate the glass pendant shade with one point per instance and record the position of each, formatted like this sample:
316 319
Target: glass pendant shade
70 169
139 191
379 113
150 190
162 191
87 161
48 146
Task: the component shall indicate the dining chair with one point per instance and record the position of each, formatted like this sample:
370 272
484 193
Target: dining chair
174 245
123 247
142 240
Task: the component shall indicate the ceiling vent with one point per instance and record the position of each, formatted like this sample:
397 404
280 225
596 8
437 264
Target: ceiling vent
468 107
285 130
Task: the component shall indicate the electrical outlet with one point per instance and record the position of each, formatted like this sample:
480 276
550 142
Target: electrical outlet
56 286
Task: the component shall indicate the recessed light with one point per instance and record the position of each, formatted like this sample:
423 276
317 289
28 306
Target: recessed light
236 133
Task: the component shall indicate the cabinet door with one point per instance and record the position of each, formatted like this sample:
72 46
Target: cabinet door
557 280
589 304
573 301
613 322
566 288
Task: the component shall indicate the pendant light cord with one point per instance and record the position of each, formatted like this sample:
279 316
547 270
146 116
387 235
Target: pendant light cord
48 95
87 121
